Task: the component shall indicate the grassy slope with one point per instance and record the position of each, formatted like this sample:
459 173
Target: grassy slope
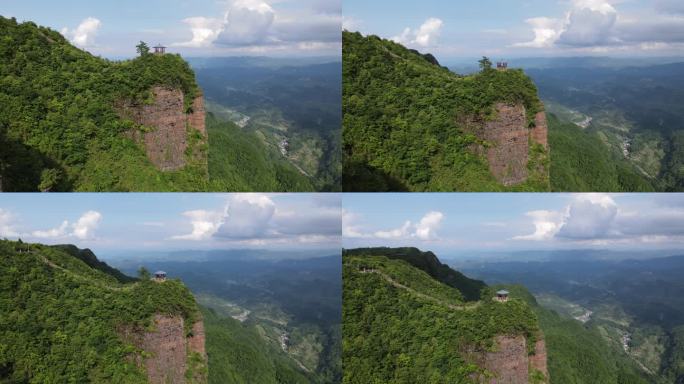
59 322
400 112
581 162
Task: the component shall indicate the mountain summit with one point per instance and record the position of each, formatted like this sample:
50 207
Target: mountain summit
412 125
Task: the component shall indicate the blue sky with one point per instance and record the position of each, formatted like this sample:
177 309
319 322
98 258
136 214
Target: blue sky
191 27
450 223
160 222
524 28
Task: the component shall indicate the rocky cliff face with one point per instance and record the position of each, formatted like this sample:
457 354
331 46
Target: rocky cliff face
509 141
170 356
509 362
167 127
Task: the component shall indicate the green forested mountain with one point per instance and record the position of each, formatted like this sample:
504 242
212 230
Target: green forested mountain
239 161
401 113
400 325
428 262
238 354
61 318
60 130
58 125
581 162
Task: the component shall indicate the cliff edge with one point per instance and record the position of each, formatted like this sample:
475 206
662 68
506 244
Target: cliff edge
167 128
170 356
508 141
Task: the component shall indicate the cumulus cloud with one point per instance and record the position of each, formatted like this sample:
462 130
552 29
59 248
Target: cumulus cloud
83 229
350 23
425 36
425 229
258 23
84 35
204 31
86 225
589 216
204 225
599 218
60 231
598 24
546 32
257 218
247 216
546 225
590 24
7 228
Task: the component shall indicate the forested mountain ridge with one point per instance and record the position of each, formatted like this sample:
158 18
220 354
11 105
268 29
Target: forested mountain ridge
65 321
400 325
428 262
410 124
68 119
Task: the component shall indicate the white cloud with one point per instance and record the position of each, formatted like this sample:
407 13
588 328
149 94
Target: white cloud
83 229
425 36
84 34
427 228
60 231
257 25
253 218
589 216
7 228
546 32
597 25
246 22
398 233
204 31
86 225
590 23
248 215
546 225
204 225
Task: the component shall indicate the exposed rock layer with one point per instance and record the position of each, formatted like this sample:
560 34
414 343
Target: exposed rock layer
509 139
166 135
168 350
509 362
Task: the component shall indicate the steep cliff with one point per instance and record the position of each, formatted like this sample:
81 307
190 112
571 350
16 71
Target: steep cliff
69 318
61 131
411 125
402 325
507 139
166 129
170 354
509 362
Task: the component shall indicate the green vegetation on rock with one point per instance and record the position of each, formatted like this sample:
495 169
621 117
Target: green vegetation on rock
58 124
403 119
400 325
61 316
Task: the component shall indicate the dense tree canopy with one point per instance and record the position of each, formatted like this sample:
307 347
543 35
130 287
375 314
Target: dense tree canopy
60 316
401 113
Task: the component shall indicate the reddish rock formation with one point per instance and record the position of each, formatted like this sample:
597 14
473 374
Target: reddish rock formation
508 138
540 131
168 350
509 362
166 123
538 360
